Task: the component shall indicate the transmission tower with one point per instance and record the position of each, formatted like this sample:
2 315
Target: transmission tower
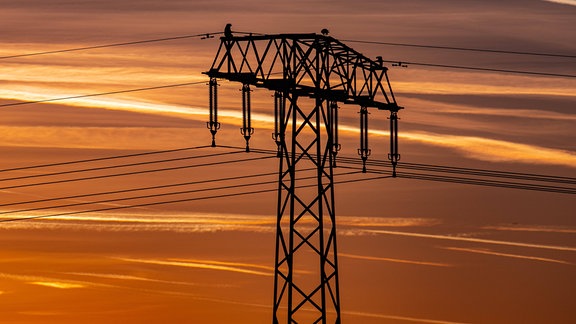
309 74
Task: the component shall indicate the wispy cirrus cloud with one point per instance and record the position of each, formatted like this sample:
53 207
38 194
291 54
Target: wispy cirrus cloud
166 222
207 264
532 228
201 222
414 262
57 284
52 282
477 240
476 147
508 255
401 318
566 2
123 277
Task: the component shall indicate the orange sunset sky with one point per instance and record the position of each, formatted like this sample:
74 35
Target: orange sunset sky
410 251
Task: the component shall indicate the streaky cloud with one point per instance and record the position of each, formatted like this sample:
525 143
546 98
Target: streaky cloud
508 255
208 265
476 240
371 258
122 277
137 222
446 88
450 108
486 149
57 284
479 148
533 228
362 221
401 318
200 222
566 2
234 264
53 282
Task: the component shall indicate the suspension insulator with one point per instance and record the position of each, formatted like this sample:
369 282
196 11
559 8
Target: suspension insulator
394 157
279 117
364 151
333 130
213 125
246 129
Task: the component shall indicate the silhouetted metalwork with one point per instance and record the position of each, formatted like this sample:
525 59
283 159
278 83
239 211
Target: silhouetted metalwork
393 156
333 124
364 151
213 125
279 117
309 74
247 131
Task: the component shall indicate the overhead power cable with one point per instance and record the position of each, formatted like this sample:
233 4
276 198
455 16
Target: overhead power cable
182 200
473 68
104 158
488 183
467 171
210 35
144 41
474 181
489 173
114 200
116 166
133 173
479 174
84 48
446 169
467 49
386 174
102 94
249 176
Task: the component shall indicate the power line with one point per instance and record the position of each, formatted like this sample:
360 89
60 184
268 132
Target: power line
447 169
104 158
202 36
489 173
418 176
132 173
103 94
462 67
468 171
473 181
165 194
482 50
387 175
402 165
210 35
182 200
205 35
115 166
139 189
488 183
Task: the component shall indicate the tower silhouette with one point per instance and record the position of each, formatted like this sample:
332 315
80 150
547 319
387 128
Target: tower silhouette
309 74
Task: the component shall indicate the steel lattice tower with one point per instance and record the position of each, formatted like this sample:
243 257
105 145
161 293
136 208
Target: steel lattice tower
309 74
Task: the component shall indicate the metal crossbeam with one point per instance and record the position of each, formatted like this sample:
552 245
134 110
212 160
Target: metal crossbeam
290 61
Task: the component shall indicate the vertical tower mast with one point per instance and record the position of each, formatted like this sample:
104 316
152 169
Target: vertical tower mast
310 74
306 227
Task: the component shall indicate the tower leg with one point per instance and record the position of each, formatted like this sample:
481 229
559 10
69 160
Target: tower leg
306 271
